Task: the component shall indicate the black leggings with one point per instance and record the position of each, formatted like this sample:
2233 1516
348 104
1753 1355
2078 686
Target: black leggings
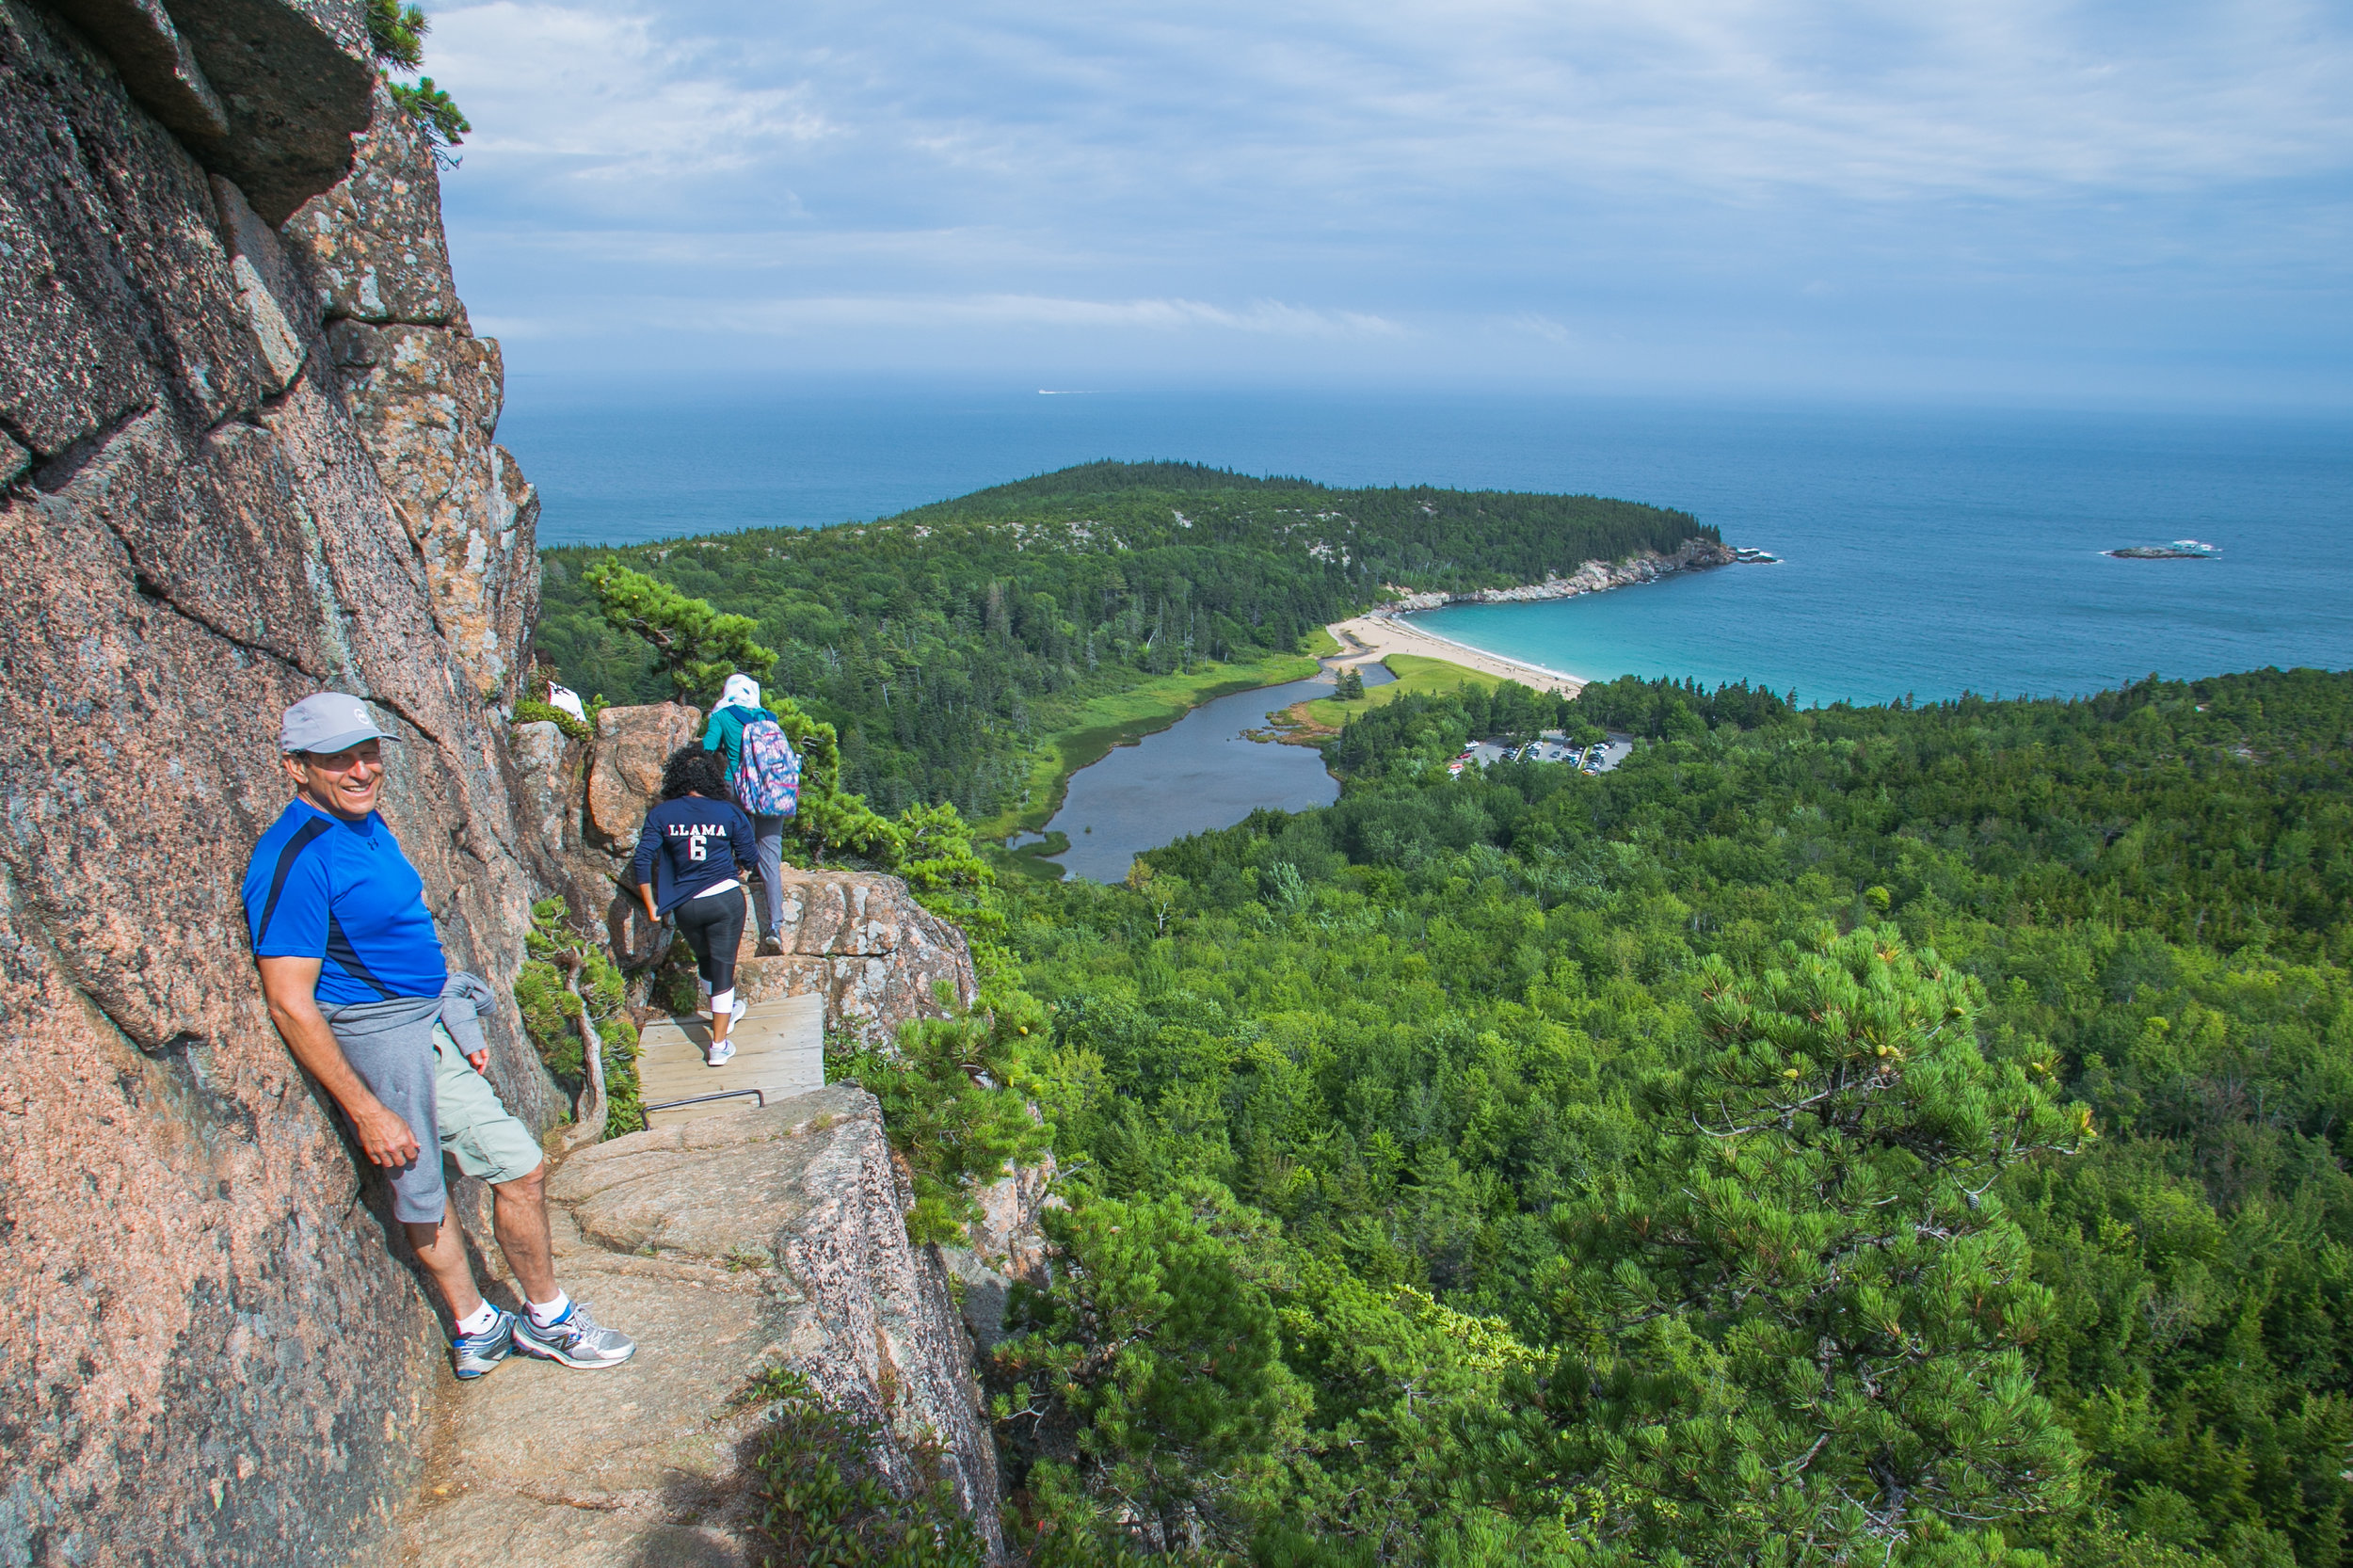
714 927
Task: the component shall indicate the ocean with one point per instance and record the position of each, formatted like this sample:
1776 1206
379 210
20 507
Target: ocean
1924 550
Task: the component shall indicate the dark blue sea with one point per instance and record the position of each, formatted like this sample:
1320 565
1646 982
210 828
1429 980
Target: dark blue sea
1924 550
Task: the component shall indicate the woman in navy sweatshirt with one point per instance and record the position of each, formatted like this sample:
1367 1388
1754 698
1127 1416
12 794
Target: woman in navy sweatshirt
692 855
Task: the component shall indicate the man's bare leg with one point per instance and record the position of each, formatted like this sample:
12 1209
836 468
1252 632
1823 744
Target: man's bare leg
519 1216
552 1325
518 1213
441 1248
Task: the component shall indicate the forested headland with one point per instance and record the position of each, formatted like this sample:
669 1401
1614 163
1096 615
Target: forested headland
946 643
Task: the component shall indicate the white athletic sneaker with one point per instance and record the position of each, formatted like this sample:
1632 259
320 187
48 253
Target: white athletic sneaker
723 1051
576 1339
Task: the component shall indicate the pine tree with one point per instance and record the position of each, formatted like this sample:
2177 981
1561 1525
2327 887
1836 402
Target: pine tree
1802 1313
1145 1390
697 646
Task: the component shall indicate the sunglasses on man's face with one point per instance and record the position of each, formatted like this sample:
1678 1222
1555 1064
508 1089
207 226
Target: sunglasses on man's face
342 762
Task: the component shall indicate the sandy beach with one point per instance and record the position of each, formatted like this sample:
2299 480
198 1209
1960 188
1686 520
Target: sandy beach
1376 637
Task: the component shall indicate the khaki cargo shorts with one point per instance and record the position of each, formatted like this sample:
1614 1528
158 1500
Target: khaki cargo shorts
476 1129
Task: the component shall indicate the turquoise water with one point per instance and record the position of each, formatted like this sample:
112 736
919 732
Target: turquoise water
1930 557
1926 551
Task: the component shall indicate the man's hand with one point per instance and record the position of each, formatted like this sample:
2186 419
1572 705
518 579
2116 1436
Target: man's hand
384 1138
645 890
479 1061
292 985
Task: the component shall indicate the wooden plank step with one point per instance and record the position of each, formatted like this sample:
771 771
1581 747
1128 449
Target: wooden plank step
780 1050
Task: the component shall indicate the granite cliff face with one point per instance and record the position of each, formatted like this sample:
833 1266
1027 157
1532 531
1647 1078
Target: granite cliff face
424 394
208 1349
247 452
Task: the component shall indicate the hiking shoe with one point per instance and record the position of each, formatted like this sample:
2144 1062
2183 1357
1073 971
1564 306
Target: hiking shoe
770 947
473 1354
721 1053
575 1339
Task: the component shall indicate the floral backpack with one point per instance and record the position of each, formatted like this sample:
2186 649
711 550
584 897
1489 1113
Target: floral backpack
767 771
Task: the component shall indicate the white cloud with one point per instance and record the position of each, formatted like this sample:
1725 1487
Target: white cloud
1546 173
1533 326
1874 100
836 315
611 93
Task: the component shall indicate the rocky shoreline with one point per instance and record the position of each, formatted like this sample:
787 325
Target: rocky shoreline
1592 577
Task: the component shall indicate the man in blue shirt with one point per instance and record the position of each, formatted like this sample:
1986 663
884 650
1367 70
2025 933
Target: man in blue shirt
357 985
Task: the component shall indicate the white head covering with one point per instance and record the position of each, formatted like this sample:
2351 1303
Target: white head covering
740 690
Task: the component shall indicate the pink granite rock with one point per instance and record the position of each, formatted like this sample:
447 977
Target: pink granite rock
861 941
625 768
768 1238
426 395
210 1348
373 243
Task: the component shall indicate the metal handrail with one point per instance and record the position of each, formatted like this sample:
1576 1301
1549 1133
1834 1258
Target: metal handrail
759 1095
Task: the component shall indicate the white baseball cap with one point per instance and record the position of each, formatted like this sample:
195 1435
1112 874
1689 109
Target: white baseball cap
328 723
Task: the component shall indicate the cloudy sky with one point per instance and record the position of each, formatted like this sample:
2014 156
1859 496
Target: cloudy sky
1974 199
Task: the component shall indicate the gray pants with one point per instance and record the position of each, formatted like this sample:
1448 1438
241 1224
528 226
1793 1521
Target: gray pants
768 843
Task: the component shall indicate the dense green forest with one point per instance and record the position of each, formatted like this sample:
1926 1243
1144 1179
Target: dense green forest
1899 1135
942 644
1908 1135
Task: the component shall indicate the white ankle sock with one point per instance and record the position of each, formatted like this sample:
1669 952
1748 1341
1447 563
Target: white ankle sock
722 1001
479 1318
544 1313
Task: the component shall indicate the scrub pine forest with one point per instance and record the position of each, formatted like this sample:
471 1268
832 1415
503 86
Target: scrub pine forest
1907 1135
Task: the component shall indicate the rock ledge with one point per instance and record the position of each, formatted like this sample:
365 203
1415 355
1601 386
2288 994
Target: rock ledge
726 1246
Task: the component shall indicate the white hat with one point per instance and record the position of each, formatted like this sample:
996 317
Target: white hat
328 723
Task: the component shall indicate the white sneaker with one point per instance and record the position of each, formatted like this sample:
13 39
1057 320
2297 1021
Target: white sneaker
723 1051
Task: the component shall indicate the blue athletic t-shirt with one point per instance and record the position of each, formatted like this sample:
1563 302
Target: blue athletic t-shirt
319 887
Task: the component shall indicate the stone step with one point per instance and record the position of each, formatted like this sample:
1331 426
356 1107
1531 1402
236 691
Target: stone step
780 1051
747 1241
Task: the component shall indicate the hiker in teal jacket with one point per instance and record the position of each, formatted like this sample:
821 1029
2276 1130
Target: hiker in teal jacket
739 705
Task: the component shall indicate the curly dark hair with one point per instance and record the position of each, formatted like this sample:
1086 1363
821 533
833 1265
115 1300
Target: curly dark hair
693 771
